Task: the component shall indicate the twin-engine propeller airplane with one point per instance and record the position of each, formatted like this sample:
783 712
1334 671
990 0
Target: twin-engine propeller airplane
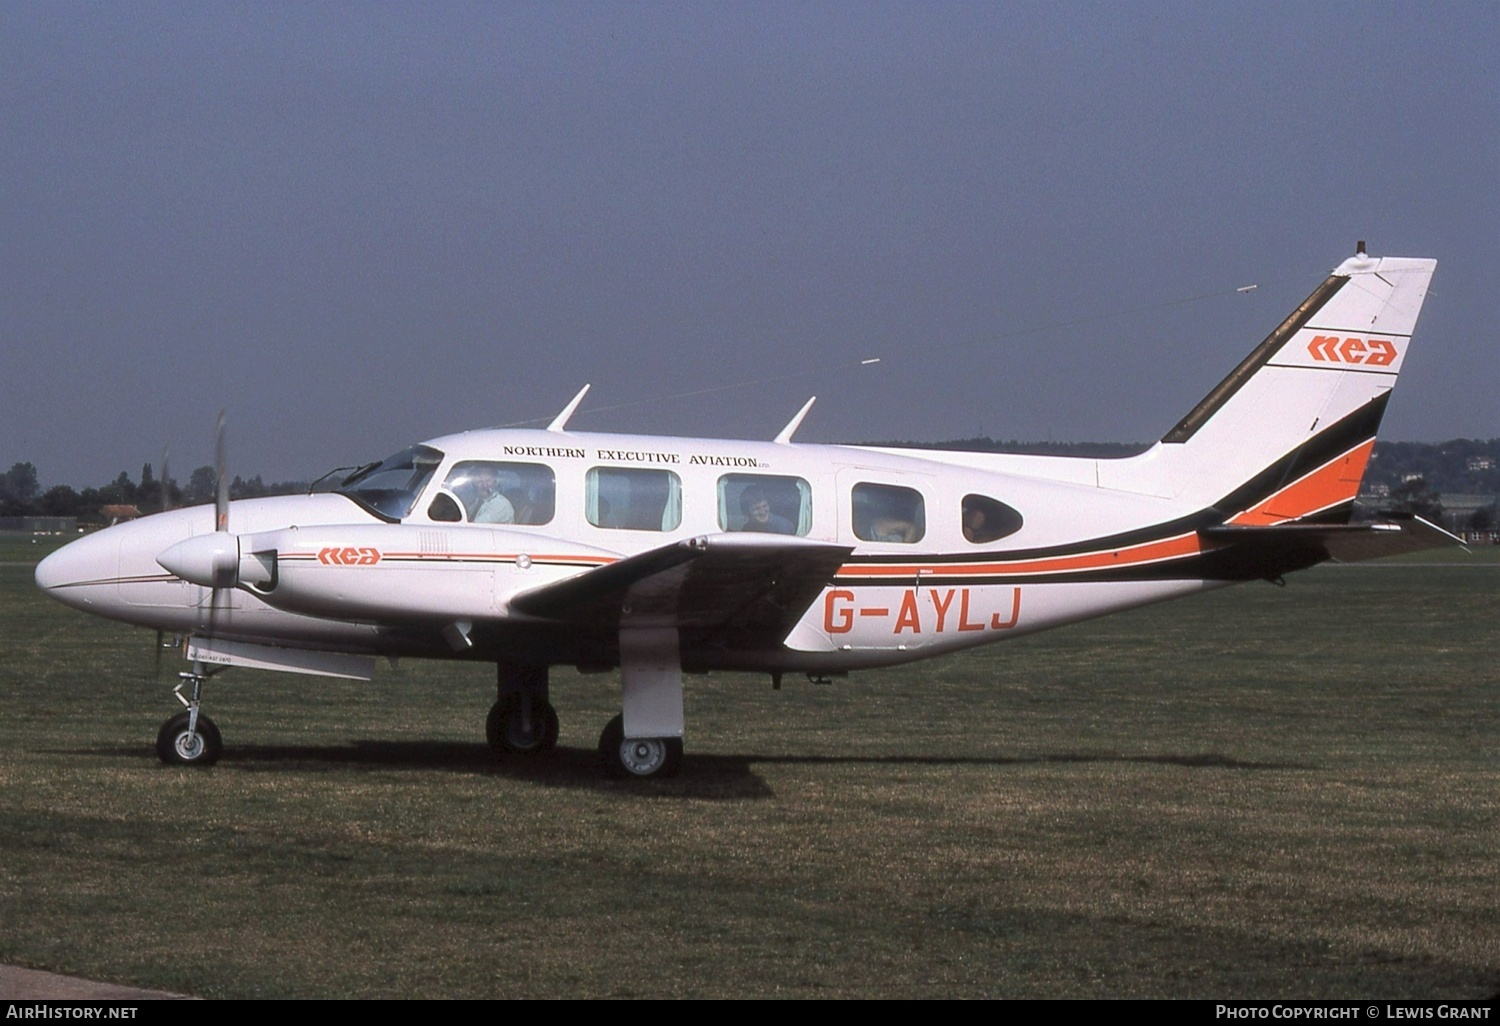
537 548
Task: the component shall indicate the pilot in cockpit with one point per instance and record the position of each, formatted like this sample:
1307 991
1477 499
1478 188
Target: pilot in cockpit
487 504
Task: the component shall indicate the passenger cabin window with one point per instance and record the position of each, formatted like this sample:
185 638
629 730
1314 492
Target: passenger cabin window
986 519
888 513
764 503
497 493
633 499
389 489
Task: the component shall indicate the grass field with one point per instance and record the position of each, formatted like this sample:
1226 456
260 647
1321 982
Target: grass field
1259 793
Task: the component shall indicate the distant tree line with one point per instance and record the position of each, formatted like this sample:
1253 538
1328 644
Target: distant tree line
1085 450
1416 474
1457 466
21 494
1454 466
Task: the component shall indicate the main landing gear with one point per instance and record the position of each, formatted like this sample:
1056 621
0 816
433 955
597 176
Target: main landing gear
651 686
640 756
189 738
522 720
521 726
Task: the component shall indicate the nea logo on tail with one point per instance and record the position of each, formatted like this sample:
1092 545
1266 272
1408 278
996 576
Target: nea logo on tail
1375 352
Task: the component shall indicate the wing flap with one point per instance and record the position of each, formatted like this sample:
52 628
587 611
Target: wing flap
741 589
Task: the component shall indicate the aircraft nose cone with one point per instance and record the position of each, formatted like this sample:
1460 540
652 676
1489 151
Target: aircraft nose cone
52 572
75 573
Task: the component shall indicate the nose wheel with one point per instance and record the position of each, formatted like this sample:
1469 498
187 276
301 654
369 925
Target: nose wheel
189 738
180 742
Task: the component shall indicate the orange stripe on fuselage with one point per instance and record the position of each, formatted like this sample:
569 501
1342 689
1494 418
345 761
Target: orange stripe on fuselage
503 557
475 557
1334 482
1148 552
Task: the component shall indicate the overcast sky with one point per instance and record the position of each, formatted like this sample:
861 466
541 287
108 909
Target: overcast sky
359 225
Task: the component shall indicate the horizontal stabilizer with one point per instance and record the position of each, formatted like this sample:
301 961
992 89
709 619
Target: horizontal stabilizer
749 589
1278 548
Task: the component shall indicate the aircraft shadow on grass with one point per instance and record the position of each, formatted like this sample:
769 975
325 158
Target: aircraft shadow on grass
711 776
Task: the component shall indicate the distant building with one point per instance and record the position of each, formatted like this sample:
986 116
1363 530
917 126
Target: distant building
1481 463
115 514
1459 510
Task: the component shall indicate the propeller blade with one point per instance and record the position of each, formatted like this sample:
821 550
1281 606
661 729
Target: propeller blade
221 511
221 461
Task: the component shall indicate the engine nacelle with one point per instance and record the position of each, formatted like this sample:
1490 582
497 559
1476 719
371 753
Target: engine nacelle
390 573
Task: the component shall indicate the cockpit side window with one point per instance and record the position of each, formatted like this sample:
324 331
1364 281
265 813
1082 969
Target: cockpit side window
444 509
986 519
390 488
765 503
501 493
888 513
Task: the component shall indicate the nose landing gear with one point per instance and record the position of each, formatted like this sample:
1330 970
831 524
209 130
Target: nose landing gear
189 738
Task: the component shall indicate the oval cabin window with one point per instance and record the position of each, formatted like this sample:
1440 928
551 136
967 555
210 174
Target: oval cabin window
986 519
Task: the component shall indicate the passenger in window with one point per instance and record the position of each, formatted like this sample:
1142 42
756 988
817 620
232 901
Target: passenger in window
489 504
887 513
535 507
974 523
986 519
892 529
758 516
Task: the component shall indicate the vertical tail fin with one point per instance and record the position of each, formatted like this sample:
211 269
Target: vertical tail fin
1286 436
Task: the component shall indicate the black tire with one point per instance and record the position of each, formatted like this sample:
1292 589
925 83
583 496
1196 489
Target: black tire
176 747
638 758
502 728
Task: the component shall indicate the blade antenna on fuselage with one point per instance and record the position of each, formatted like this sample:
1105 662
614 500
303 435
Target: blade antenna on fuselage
785 437
560 422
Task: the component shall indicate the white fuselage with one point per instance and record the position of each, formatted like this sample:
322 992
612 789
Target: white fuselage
352 581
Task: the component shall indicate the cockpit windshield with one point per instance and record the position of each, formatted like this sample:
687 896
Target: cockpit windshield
390 488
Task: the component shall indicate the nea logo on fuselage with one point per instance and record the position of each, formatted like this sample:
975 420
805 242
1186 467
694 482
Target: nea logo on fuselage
348 556
1374 352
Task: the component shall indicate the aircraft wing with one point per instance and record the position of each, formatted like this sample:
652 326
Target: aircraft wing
1280 547
743 589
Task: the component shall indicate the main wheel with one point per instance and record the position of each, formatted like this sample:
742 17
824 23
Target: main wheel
509 734
638 756
178 746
